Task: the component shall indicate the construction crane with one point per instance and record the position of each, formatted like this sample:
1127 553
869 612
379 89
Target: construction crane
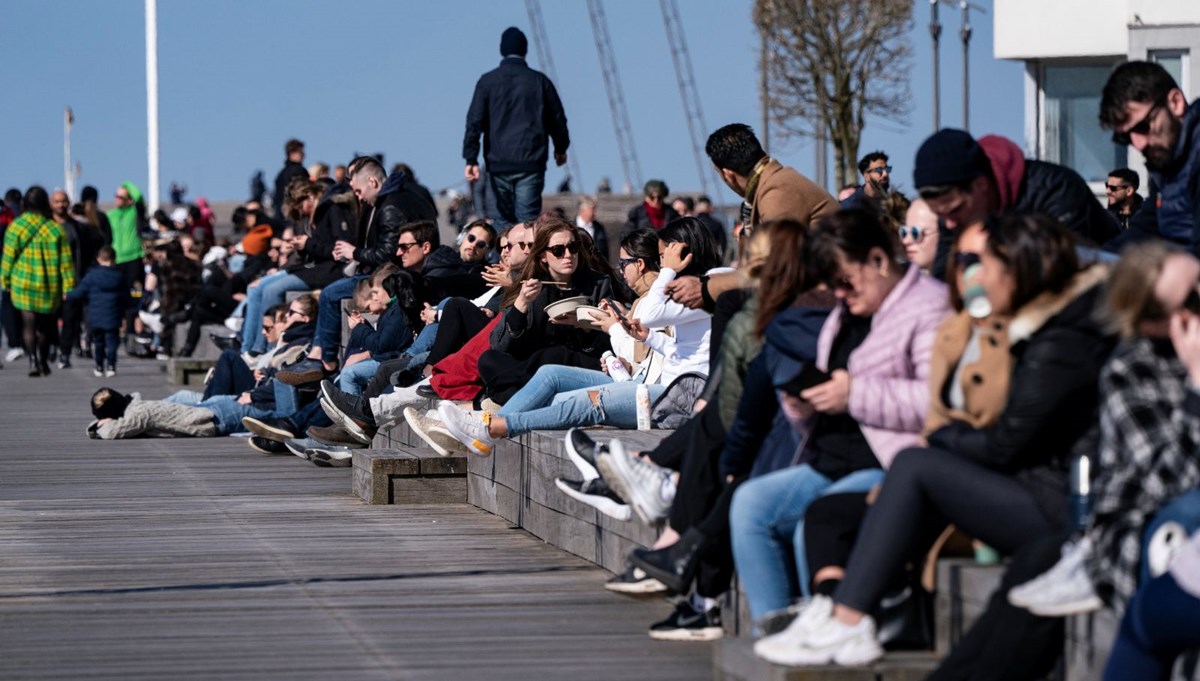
697 128
616 97
534 9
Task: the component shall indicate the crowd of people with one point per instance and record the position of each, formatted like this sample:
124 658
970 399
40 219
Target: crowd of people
853 388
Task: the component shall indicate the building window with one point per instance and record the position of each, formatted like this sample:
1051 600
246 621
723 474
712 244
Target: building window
1073 136
1176 64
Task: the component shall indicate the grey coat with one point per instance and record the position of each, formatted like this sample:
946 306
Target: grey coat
154 418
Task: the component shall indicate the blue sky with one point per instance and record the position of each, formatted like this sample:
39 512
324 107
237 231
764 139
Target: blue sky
238 77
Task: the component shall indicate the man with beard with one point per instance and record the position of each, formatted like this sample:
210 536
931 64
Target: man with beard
877 181
1144 107
1123 199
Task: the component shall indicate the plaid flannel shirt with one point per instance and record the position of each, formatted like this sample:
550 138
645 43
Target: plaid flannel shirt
1149 453
37 268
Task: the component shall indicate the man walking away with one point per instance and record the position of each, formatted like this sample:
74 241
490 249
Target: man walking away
516 109
293 167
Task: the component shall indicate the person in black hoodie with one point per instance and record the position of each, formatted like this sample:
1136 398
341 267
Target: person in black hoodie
445 274
85 243
516 109
105 289
394 203
293 167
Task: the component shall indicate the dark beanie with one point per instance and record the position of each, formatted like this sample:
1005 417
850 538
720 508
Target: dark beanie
513 42
948 157
109 404
89 193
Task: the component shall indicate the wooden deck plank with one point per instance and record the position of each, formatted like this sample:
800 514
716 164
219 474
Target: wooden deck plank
201 559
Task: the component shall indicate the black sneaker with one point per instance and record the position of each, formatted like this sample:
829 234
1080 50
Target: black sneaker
582 450
352 411
596 494
262 444
278 430
225 342
685 624
635 581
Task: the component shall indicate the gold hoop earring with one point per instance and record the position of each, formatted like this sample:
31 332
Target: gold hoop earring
883 271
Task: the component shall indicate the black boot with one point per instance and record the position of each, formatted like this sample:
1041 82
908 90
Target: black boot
35 369
674 566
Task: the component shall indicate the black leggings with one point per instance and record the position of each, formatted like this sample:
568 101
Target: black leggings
932 487
38 331
460 322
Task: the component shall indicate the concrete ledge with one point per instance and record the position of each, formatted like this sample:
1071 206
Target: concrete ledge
409 476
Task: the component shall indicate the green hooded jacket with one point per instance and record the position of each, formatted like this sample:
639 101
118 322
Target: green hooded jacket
125 238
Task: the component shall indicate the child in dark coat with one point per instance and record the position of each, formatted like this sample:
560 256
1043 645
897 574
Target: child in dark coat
106 291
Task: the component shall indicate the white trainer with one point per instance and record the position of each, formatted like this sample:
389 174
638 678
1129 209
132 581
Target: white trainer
1064 589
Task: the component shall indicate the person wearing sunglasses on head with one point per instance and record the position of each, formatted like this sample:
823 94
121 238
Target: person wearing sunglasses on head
1145 109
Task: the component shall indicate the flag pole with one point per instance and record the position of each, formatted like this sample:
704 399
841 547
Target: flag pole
152 104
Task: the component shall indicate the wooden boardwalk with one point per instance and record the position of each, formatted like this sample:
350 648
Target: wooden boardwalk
201 559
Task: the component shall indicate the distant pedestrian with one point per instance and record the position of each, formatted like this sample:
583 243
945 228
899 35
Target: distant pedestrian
37 269
293 167
178 191
517 110
105 290
258 188
85 242
127 219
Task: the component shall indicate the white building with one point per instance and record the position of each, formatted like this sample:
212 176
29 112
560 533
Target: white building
1069 47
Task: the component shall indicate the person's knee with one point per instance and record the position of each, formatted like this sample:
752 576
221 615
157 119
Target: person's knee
747 507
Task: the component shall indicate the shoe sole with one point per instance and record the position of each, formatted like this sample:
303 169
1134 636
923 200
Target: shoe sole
266 431
587 470
647 585
300 378
605 505
1066 609
481 449
443 442
303 453
256 448
326 460
705 634
351 426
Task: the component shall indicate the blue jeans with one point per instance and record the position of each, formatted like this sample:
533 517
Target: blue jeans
1184 510
188 398
766 515
270 291
329 315
105 343
1161 622
518 197
228 413
353 379
547 382
615 405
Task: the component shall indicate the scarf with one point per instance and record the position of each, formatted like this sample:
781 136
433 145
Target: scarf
657 214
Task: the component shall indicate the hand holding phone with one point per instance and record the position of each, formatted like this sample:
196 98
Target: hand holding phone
615 308
808 377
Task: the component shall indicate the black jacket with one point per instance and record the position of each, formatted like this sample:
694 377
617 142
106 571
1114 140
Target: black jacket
520 334
515 109
291 170
388 338
1060 193
600 239
1052 412
86 242
638 218
397 204
447 276
334 220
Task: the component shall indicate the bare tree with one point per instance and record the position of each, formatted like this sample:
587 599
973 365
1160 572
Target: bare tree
833 62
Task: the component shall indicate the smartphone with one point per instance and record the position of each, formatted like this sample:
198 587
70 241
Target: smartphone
809 377
616 310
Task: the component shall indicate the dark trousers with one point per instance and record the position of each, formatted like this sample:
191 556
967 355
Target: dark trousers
460 322
38 331
1006 642
503 375
1161 622
230 377
210 306
72 324
924 490
379 383
104 347
10 319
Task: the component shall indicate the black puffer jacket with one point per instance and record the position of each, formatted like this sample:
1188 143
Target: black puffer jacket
1059 192
447 276
515 108
520 334
336 219
397 204
1052 412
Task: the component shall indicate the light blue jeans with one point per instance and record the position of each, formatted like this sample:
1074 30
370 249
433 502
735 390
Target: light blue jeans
353 379
228 413
547 382
615 405
767 514
271 290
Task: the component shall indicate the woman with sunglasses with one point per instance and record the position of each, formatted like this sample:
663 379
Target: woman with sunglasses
590 398
919 235
867 402
1003 484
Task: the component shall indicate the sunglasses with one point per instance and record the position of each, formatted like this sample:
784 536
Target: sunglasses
1114 188
622 263
1142 127
525 245
562 249
965 260
404 248
880 169
917 233
471 238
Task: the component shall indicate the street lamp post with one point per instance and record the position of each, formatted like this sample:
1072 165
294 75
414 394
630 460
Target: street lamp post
935 32
152 104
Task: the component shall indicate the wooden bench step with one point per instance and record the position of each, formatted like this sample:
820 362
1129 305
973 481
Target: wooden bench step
734 660
409 475
188 370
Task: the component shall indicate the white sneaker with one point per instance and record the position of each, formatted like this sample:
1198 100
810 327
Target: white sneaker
1064 589
470 427
234 324
14 354
826 641
97 373
648 488
109 373
815 611
429 428
152 320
